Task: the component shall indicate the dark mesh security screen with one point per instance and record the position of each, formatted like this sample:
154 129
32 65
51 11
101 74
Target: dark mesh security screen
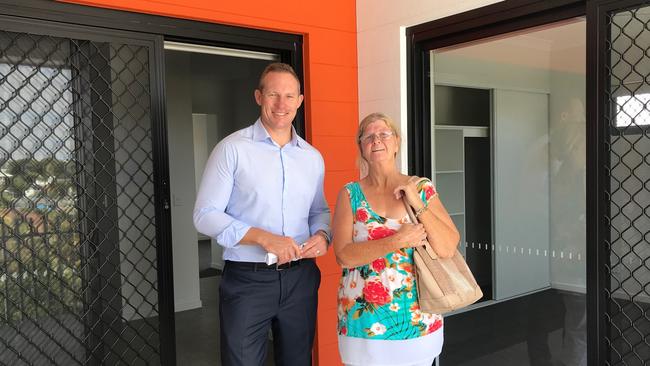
628 316
78 268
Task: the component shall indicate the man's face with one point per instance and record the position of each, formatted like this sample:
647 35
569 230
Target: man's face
279 100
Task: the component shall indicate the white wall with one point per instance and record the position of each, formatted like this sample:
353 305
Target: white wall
381 49
181 177
456 69
206 136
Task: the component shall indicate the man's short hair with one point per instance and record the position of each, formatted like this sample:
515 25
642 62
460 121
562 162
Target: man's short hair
277 67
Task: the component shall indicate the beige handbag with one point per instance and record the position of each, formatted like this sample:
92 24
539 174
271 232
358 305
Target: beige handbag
444 284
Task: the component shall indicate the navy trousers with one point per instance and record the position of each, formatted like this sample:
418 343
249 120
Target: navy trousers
254 298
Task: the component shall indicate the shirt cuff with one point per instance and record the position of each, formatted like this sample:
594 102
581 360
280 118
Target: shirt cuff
232 235
325 231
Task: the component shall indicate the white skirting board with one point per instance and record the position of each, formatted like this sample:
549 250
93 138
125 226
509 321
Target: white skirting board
188 305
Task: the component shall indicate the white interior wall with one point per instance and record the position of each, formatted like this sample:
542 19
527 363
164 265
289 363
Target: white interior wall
201 152
458 69
181 177
206 136
381 50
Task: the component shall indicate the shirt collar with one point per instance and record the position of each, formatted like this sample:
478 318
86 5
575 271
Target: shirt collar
261 134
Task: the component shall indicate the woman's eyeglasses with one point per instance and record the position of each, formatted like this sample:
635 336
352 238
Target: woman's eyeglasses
384 135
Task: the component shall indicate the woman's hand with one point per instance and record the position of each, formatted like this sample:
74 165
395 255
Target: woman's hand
410 191
315 246
410 235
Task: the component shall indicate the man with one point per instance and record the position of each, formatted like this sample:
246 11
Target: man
262 192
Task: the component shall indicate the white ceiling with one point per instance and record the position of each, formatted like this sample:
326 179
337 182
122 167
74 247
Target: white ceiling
559 46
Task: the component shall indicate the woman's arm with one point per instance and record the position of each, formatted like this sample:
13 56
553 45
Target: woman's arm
441 231
351 254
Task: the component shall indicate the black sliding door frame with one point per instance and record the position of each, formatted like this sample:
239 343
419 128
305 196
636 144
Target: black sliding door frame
76 21
611 323
96 172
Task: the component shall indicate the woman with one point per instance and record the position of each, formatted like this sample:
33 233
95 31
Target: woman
379 320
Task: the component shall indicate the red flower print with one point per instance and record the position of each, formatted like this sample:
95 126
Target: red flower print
380 232
379 264
362 214
375 293
344 330
428 192
434 326
406 267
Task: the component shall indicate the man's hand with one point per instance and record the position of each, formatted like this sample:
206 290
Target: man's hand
315 246
284 247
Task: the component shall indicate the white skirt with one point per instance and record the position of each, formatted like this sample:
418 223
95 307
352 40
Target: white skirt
379 352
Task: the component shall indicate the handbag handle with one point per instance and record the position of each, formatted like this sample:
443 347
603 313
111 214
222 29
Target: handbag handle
414 219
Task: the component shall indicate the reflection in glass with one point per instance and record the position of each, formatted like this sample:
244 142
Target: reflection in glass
511 112
628 145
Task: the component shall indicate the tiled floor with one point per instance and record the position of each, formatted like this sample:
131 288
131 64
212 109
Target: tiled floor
197 331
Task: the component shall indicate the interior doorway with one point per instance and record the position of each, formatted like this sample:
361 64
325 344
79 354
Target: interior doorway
209 96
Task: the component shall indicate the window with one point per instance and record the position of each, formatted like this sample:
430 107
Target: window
633 110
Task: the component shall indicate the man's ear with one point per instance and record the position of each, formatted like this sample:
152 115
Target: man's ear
258 97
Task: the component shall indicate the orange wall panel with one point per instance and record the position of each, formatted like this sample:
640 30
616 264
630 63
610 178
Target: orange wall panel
328 265
328 290
340 148
333 351
334 118
331 95
327 330
327 333
330 47
331 82
334 182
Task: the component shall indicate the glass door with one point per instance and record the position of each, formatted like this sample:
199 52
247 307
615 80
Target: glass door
621 99
81 197
509 161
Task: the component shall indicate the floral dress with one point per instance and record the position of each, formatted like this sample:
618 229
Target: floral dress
378 302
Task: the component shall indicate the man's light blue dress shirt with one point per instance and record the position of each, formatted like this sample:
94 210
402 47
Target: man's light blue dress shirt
250 181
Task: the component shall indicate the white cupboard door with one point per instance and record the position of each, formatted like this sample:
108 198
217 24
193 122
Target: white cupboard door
521 193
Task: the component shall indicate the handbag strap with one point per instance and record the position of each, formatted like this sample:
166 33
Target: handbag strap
414 219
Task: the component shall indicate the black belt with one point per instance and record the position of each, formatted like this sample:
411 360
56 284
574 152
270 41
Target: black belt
259 266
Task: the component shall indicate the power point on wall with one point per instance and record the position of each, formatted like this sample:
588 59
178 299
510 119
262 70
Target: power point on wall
177 200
